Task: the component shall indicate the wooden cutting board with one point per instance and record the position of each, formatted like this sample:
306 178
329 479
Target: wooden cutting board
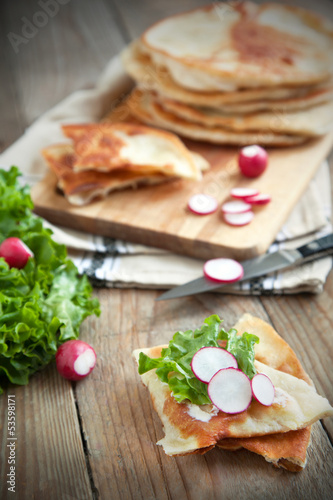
158 216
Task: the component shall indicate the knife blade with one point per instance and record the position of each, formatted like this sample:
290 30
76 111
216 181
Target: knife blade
259 266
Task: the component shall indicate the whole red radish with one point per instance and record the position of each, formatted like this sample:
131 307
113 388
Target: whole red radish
75 359
15 252
253 160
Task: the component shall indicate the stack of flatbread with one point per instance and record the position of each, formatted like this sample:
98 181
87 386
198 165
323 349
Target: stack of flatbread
236 73
280 433
104 157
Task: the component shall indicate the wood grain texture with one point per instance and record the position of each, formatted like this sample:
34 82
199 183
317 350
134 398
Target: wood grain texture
49 456
158 215
306 321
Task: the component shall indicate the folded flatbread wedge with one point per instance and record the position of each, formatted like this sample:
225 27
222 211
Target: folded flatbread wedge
81 188
280 432
108 146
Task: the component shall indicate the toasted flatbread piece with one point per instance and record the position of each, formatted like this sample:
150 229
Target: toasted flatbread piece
311 122
144 107
81 188
272 350
109 146
122 112
153 77
189 427
285 450
228 46
280 432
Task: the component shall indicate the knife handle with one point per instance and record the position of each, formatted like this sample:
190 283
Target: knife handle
317 247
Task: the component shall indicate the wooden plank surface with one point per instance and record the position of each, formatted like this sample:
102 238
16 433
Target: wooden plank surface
96 439
48 456
123 428
158 215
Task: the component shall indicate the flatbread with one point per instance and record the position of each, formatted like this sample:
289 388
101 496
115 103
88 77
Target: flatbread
153 77
280 432
313 97
225 47
80 188
108 146
122 113
312 122
144 107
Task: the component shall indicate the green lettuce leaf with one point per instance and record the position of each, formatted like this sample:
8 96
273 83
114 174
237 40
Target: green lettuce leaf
42 305
174 365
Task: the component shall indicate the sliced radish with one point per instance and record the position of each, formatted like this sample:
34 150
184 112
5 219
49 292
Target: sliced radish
209 360
263 389
239 219
230 390
235 207
223 270
75 359
243 193
252 160
259 199
202 204
15 252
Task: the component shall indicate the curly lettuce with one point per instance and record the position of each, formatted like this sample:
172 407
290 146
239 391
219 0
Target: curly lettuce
174 365
43 304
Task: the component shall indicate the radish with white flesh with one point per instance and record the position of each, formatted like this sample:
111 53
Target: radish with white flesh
230 390
252 160
235 207
209 360
202 204
15 252
263 389
75 359
243 193
259 199
223 270
239 219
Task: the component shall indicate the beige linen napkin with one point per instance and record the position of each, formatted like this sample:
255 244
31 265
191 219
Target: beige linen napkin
112 263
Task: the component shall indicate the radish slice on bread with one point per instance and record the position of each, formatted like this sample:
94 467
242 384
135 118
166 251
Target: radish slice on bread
263 389
209 360
230 390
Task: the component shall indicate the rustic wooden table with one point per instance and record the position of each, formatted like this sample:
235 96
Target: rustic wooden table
96 439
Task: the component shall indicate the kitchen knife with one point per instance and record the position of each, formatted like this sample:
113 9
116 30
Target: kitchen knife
259 266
